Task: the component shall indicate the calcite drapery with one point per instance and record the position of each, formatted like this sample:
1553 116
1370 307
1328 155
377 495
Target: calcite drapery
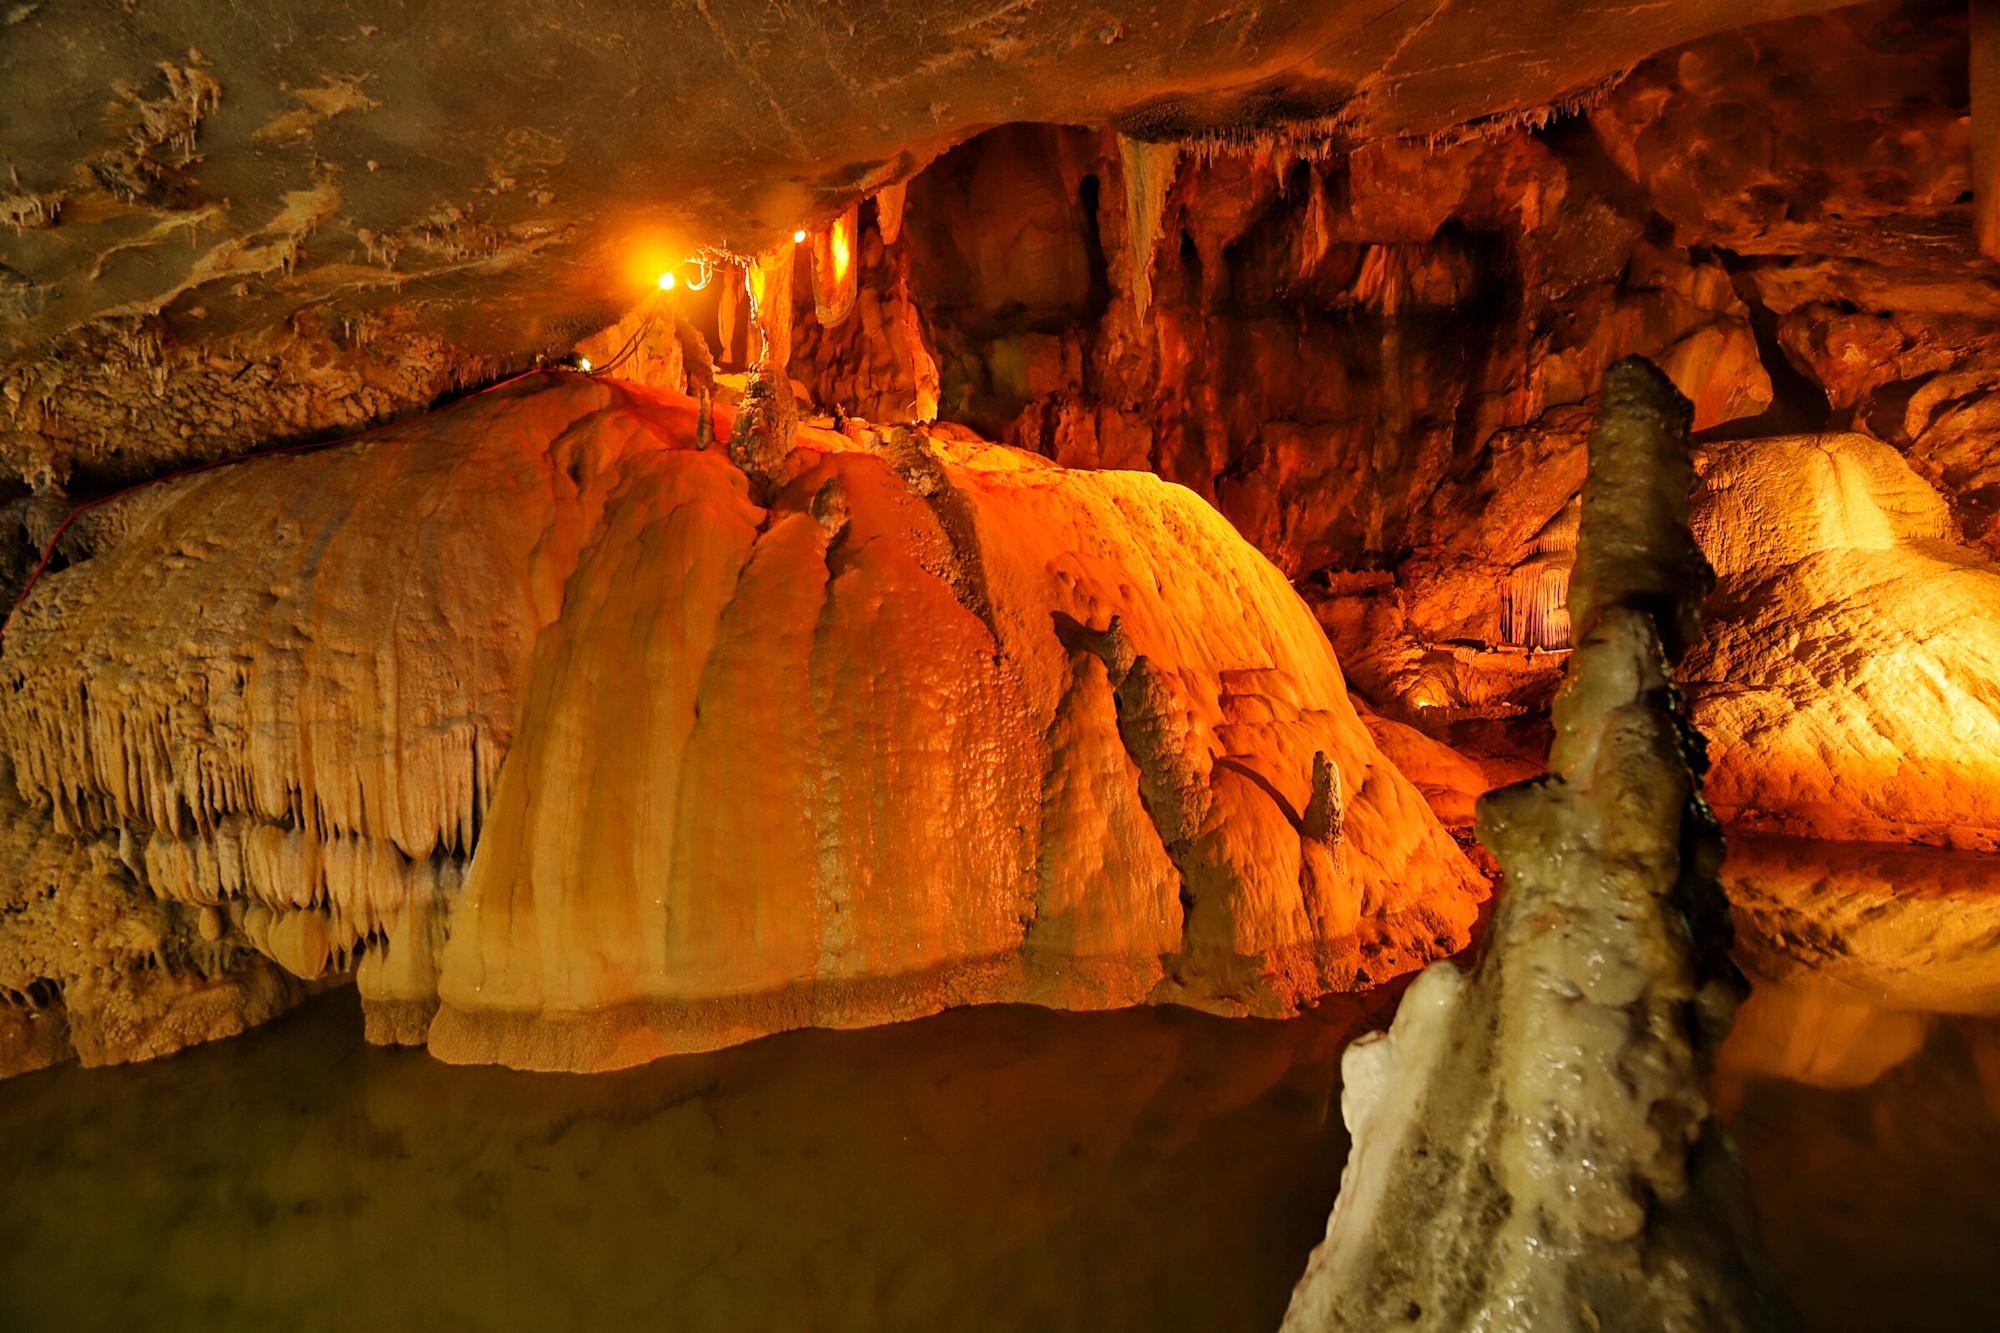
853 755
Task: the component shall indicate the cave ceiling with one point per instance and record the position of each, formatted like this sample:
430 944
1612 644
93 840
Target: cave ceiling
506 175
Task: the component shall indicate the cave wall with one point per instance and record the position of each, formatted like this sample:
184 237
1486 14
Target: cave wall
1379 364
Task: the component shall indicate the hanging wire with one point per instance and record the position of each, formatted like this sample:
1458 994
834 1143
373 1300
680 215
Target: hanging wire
631 346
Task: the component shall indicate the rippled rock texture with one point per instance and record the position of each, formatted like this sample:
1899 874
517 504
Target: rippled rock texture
1845 678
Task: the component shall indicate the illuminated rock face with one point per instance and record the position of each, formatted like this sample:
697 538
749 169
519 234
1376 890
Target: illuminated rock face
1845 681
534 709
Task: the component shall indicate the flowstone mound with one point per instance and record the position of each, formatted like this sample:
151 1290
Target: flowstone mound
1533 1144
582 746
1845 679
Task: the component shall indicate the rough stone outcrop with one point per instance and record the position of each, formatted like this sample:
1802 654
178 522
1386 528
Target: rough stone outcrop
1533 1145
236 167
532 709
1845 680
92 966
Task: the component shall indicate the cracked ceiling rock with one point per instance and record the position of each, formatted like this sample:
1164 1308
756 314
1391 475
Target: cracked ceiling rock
601 173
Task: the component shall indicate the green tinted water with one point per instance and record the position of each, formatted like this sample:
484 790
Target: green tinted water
1004 1168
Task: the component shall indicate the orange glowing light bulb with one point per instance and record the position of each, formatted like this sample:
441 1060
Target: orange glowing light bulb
666 282
798 238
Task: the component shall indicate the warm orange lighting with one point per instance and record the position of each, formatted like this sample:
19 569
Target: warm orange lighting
835 266
641 262
842 253
666 282
798 238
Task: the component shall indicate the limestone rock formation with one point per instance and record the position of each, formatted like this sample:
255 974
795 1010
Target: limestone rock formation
533 715
1845 679
1449 781
236 167
94 966
1533 1146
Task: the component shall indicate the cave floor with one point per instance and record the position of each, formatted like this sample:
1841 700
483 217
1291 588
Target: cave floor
995 1168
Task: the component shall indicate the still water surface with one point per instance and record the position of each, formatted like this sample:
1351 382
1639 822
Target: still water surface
999 1168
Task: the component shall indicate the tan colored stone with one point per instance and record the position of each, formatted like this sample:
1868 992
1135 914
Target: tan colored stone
530 707
1844 682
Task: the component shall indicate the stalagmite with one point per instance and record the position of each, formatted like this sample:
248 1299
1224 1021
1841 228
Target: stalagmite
1149 173
579 743
1533 1145
837 267
767 421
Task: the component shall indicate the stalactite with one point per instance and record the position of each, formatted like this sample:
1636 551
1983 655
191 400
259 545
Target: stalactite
1149 170
770 276
697 362
889 210
1534 597
1317 237
732 291
1985 78
837 267
923 365
1534 604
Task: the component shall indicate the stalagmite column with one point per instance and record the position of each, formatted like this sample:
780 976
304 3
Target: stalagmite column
1533 1144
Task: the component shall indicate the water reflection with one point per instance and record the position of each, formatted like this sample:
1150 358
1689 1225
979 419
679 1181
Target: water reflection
1872 1138
1003 1168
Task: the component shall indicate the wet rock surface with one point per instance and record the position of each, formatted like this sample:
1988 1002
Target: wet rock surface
1843 679
1533 1144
